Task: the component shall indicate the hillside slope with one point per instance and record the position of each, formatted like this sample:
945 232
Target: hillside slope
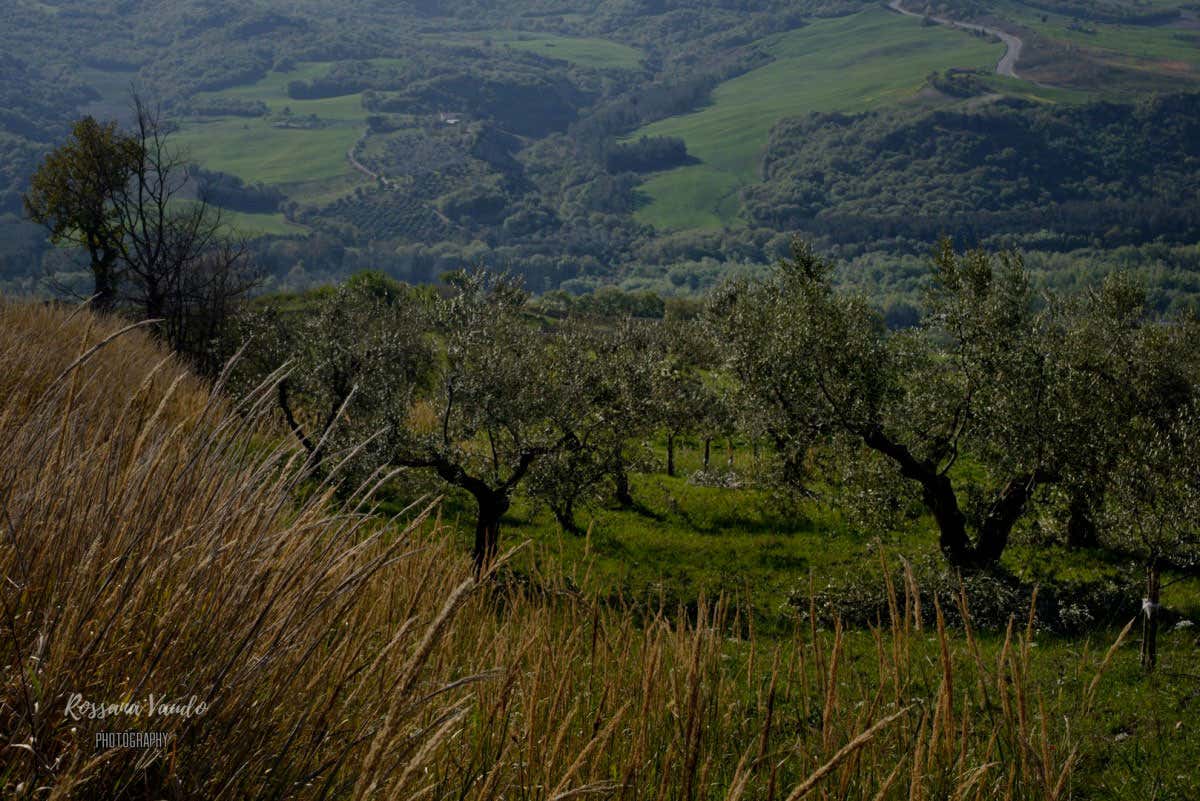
162 576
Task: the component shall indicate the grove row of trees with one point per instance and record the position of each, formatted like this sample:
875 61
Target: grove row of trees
1002 402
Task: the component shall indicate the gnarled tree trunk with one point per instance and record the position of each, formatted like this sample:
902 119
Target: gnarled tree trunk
1081 527
564 513
490 507
620 476
939 497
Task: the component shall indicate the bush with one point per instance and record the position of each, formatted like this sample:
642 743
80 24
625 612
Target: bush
993 598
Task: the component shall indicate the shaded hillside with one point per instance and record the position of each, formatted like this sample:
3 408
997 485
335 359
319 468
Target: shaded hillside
1101 173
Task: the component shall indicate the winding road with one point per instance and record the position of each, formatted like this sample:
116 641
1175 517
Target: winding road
1008 62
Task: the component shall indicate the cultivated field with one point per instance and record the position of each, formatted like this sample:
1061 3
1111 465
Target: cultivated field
257 150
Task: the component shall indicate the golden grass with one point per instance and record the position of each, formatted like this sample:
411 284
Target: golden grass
152 542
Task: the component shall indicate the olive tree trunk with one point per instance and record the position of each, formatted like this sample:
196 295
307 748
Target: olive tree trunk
490 507
1150 613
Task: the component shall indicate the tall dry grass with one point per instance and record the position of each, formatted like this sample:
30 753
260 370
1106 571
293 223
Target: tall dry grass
152 540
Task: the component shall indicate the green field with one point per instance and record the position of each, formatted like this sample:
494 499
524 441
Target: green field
257 150
871 59
261 224
586 52
1155 43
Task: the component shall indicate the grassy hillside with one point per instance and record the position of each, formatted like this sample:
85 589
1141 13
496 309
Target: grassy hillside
868 60
160 543
1166 47
261 149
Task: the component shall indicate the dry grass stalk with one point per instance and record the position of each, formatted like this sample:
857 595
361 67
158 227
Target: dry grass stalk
157 537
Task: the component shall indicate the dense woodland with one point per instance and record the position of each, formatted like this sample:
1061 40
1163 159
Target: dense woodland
1058 179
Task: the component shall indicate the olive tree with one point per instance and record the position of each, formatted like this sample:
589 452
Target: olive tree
1153 505
497 405
627 360
685 400
345 362
607 373
1150 498
575 477
986 375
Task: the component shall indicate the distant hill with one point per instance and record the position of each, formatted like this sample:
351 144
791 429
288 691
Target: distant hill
1102 173
421 136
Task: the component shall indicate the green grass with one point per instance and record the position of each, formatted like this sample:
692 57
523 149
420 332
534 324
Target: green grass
256 152
310 164
261 224
871 59
586 52
690 541
1157 43
1025 90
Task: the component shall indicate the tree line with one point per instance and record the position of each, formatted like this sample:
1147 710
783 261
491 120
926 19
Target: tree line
1002 404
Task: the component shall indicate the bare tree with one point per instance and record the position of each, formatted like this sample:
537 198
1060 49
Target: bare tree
181 266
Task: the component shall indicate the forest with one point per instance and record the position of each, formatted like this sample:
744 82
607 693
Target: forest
1099 174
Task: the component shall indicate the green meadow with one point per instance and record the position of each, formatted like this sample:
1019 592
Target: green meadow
305 161
255 151
871 59
1155 43
251 225
687 541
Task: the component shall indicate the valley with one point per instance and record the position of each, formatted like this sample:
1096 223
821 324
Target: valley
872 59
548 132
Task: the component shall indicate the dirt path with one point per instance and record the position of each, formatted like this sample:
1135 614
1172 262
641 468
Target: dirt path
1008 62
358 165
